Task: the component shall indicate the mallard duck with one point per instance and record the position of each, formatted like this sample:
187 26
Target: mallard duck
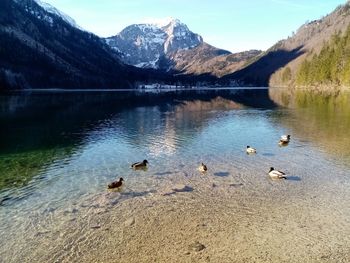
140 165
202 168
275 174
285 138
116 184
282 143
250 149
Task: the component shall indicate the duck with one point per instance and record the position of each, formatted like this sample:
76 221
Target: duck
282 143
202 168
250 149
275 174
116 184
140 165
285 138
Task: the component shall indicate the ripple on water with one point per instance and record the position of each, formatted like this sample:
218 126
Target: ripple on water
67 210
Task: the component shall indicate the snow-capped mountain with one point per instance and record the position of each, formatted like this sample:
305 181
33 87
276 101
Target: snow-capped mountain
48 8
148 45
53 10
179 37
170 46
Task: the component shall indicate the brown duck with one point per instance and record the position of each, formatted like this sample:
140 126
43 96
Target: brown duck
116 184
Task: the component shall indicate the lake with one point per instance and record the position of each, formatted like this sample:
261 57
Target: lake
59 150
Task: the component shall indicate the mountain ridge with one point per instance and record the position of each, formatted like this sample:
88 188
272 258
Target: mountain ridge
147 45
53 10
52 53
313 36
172 47
279 65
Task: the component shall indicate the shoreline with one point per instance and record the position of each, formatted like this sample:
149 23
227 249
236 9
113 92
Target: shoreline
215 220
319 89
323 89
132 90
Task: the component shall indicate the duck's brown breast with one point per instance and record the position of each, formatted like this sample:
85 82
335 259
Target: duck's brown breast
115 185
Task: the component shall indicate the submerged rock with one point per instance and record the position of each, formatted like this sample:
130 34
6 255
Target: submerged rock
182 188
129 222
196 247
179 188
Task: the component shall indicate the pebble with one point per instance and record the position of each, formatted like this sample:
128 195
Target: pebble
129 222
180 188
196 246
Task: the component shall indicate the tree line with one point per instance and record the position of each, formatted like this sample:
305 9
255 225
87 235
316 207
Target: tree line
331 66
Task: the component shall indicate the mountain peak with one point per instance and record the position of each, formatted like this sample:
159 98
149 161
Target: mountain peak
149 44
162 22
175 26
173 22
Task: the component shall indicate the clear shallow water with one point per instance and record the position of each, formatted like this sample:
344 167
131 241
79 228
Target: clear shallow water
60 150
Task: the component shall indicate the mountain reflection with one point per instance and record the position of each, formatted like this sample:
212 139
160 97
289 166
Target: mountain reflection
165 128
42 127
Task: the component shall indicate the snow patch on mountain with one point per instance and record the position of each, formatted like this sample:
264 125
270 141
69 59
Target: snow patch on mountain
53 10
158 22
144 45
49 9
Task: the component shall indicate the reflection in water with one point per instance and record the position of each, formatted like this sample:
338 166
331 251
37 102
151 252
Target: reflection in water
40 128
320 118
59 151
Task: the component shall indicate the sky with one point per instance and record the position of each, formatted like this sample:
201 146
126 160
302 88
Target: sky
234 25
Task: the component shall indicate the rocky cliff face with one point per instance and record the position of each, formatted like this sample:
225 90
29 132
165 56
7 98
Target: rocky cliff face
147 45
172 47
206 59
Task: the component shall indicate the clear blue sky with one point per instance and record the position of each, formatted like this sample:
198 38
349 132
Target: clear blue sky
235 25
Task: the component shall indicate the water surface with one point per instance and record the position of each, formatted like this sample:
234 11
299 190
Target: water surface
59 150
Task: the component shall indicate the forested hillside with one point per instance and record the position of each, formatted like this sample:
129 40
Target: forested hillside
323 56
330 67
